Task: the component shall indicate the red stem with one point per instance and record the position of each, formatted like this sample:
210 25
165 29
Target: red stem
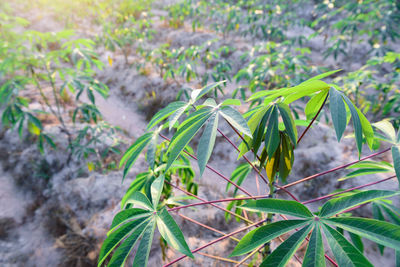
312 121
212 204
347 190
213 242
332 170
215 201
252 165
214 170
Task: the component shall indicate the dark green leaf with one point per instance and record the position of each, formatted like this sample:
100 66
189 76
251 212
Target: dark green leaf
338 112
264 234
315 251
281 206
334 206
288 120
143 250
344 252
282 254
272 137
133 227
358 130
383 233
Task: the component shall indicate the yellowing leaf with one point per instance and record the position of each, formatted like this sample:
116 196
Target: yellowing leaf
90 166
110 61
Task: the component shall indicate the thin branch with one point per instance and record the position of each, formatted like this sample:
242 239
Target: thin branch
218 258
207 227
348 190
214 241
332 170
213 170
212 204
312 121
216 201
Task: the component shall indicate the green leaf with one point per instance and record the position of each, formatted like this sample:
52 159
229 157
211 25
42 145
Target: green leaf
117 236
206 143
356 239
377 215
199 93
315 103
396 160
387 128
35 121
128 215
139 198
334 206
315 253
264 234
120 255
338 112
392 212
235 119
231 102
397 258
143 250
176 115
323 75
288 120
358 129
170 231
272 137
156 190
165 112
366 129
282 254
239 175
365 171
151 151
344 252
281 206
186 132
383 233
134 151
259 133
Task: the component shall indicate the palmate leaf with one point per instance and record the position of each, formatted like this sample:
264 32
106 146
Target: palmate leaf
314 256
282 254
117 236
186 132
381 232
121 254
207 141
337 205
281 206
133 224
264 234
344 252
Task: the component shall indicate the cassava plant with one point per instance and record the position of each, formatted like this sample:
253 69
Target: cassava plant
269 136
